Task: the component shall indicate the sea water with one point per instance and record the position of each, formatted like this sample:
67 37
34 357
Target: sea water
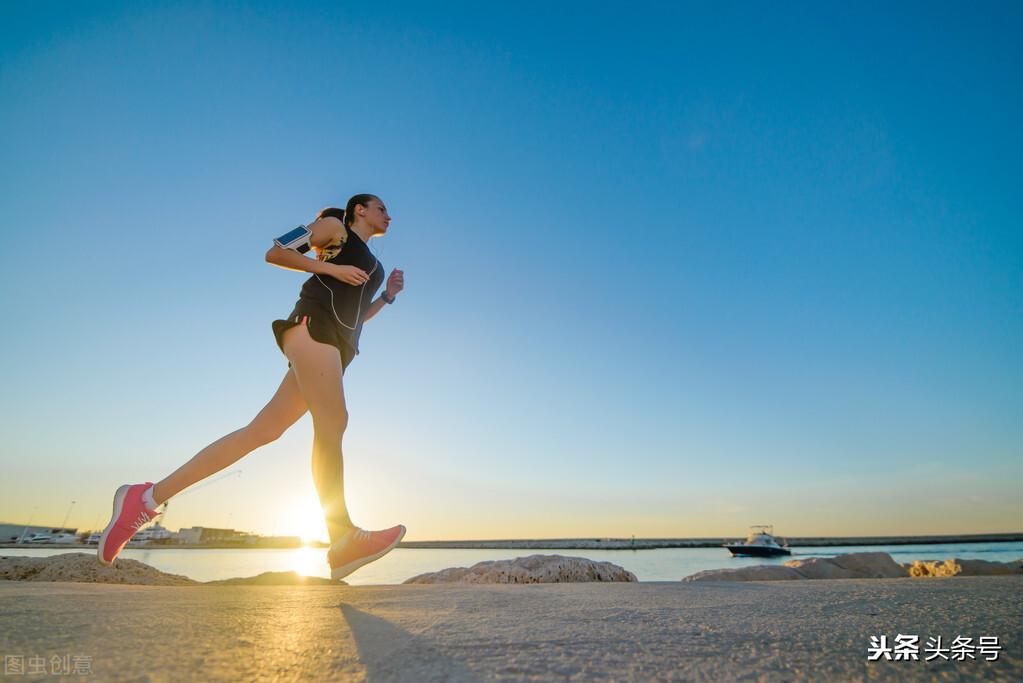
662 564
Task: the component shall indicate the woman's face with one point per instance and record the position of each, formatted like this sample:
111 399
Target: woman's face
376 216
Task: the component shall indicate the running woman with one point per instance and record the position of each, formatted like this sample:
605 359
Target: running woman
320 338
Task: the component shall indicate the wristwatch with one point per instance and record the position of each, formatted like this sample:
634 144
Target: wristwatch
386 299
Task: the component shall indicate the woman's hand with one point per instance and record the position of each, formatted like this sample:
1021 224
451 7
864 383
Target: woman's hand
395 282
349 274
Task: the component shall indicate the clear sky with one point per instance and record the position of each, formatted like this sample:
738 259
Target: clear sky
670 270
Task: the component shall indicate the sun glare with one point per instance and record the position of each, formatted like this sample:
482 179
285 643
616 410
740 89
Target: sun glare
303 518
309 562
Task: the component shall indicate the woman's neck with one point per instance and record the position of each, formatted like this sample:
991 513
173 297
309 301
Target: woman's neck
363 231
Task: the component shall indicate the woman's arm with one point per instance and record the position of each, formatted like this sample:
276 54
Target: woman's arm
374 308
395 283
324 231
289 259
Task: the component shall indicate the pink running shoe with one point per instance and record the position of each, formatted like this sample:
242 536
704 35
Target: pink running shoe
130 515
361 547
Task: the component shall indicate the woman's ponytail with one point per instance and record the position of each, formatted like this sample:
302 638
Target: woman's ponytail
333 212
347 214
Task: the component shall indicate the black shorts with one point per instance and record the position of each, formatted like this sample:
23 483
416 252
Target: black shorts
321 329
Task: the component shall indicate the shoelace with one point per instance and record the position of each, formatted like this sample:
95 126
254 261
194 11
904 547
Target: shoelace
357 534
140 521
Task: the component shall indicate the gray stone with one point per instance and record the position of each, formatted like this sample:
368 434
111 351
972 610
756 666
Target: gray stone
821 568
848 566
865 566
277 579
761 572
531 569
87 568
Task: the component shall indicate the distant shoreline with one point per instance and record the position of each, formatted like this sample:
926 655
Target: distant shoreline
653 543
595 543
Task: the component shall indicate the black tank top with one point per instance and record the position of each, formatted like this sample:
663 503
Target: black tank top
341 303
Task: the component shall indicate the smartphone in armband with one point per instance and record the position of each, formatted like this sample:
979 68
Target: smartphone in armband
299 239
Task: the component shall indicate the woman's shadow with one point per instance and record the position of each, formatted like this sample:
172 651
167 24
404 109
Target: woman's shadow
389 653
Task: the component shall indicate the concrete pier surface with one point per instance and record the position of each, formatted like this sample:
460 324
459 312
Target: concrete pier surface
647 631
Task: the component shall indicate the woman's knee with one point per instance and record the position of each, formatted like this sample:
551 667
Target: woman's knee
332 425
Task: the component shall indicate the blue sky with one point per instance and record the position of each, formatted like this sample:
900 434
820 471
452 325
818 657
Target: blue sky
670 270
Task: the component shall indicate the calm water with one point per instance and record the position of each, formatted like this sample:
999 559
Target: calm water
663 564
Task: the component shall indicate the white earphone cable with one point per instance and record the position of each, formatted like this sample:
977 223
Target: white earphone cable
358 311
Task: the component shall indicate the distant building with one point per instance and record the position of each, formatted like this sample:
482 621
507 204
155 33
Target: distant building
190 536
279 542
200 535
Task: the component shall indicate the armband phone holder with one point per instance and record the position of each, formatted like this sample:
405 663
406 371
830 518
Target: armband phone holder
298 239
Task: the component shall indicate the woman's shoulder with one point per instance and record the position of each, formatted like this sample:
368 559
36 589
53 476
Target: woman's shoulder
327 234
332 249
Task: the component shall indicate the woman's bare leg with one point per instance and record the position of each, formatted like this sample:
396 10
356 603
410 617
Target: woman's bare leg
317 367
283 410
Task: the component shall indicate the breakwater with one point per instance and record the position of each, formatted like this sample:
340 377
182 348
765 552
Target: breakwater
651 543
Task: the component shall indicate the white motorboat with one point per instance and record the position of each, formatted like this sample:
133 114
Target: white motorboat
153 534
39 538
760 543
58 538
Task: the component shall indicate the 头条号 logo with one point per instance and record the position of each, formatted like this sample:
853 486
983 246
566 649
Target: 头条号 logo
907 647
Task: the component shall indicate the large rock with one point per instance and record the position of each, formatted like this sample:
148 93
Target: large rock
277 579
532 569
957 567
848 566
85 567
851 566
761 572
988 568
821 568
